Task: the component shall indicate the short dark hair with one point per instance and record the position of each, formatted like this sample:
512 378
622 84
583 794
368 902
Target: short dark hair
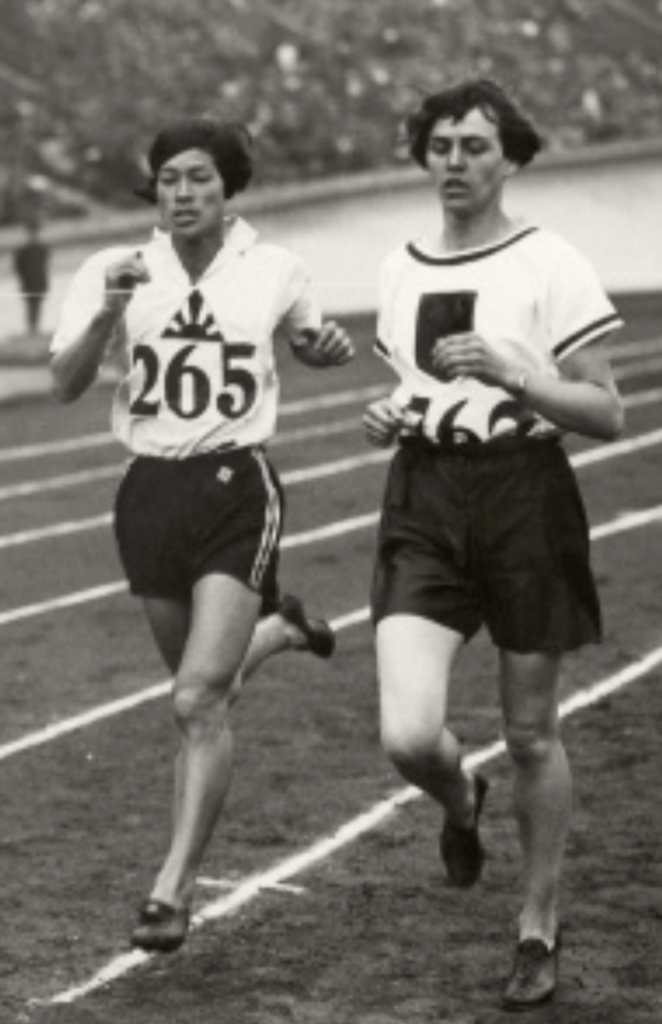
229 144
519 138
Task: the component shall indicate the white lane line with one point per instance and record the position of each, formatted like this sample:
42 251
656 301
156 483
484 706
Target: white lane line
339 528
617 448
300 407
641 368
322 533
229 884
69 444
304 434
54 604
12 540
624 523
626 350
346 465
650 397
94 522
289 479
281 874
122 704
333 400
78 526
629 349
28 488
627 521
87 476
84 720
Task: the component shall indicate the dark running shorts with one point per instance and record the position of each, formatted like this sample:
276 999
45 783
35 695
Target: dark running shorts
492 534
177 520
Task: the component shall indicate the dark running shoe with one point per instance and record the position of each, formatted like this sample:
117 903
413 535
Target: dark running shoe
461 849
161 928
320 638
534 975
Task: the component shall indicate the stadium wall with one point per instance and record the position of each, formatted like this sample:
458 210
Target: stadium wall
606 199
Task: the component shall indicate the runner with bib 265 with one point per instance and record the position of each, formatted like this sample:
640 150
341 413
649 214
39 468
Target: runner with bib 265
190 318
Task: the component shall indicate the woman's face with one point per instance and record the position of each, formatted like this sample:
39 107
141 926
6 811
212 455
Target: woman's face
191 195
466 162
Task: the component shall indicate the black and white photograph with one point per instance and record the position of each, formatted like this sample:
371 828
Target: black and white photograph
331 511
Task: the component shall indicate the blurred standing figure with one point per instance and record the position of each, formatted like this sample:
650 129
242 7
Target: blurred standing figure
497 331
31 266
198 516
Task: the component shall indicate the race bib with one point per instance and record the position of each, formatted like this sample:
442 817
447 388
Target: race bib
193 380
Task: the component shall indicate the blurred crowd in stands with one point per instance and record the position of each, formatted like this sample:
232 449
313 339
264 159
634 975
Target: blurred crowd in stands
324 84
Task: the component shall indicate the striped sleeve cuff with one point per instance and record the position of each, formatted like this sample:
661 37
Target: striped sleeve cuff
591 332
381 350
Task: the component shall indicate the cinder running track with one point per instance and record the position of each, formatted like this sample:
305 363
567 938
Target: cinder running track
324 902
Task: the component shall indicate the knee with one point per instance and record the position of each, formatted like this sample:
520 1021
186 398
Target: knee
410 747
530 744
201 701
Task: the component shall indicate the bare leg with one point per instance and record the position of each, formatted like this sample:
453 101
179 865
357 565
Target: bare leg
414 661
542 796
170 620
222 620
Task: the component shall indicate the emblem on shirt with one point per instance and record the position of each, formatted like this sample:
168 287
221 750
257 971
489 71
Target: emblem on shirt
194 321
441 314
179 374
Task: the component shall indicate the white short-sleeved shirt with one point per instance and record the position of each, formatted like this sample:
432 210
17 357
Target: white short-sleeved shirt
197 360
532 296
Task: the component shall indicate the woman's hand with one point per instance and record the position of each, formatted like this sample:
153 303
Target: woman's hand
122 278
330 346
333 344
469 355
382 422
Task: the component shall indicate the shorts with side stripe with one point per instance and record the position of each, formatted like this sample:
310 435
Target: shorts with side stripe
492 535
178 520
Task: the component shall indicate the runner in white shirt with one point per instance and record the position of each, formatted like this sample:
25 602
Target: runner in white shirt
531 295
200 370
190 318
496 330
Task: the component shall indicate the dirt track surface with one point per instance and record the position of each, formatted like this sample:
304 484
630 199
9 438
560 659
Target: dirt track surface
369 933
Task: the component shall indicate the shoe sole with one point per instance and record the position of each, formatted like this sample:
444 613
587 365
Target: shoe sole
161 935
481 789
515 1006
521 1006
152 944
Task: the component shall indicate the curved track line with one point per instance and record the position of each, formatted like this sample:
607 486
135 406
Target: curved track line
252 887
